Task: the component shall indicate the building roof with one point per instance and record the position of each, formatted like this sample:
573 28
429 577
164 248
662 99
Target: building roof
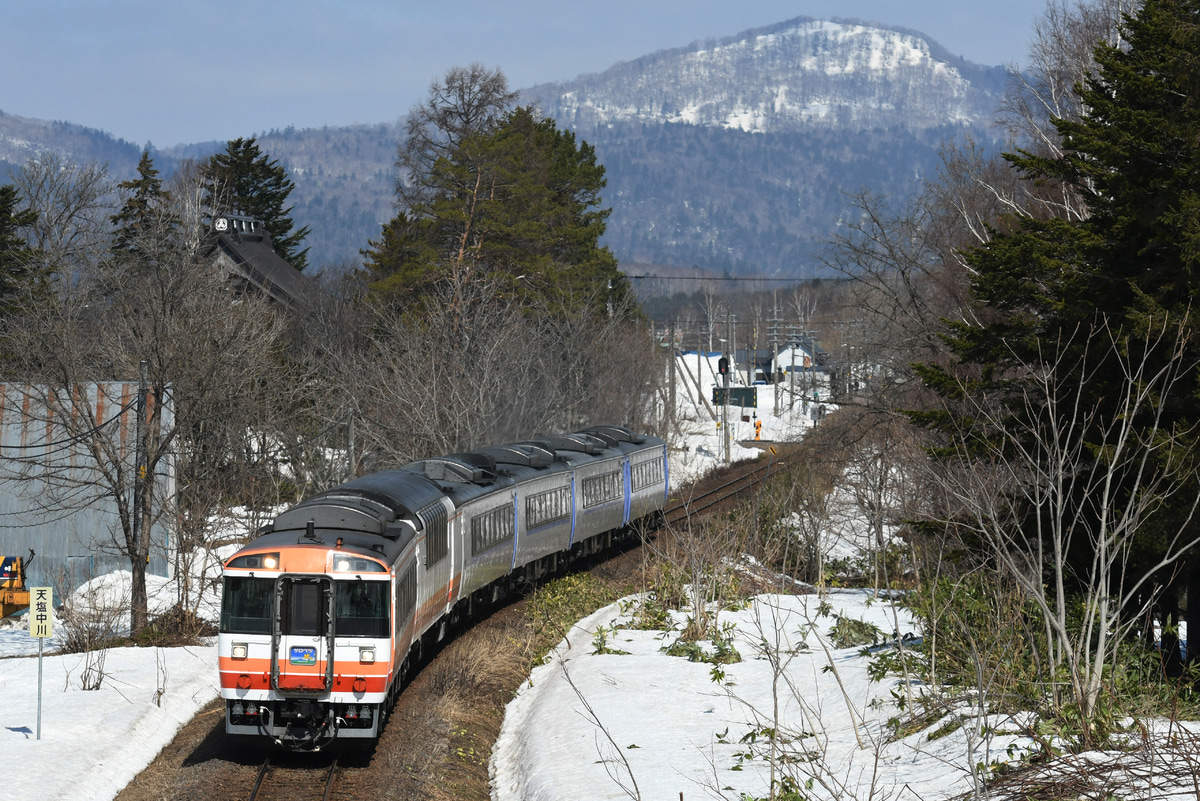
243 247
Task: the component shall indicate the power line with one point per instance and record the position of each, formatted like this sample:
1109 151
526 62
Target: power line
717 278
63 444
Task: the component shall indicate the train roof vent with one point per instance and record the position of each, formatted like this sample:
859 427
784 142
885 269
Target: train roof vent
452 468
519 454
477 459
615 433
605 439
542 443
573 442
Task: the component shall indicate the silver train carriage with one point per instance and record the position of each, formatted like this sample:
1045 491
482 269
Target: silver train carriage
327 611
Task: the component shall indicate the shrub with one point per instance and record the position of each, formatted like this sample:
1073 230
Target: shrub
558 604
850 633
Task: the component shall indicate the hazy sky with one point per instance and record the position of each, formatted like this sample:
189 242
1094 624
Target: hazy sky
174 71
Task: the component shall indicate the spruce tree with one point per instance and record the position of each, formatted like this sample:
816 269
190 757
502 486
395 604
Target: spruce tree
21 275
1130 264
142 205
244 180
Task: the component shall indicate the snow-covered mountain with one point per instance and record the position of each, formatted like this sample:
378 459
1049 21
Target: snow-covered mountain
737 155
786 77
729 155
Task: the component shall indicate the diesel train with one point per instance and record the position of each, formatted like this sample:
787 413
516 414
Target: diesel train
325 613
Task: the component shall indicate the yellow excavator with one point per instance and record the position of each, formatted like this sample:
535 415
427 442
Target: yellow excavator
14 595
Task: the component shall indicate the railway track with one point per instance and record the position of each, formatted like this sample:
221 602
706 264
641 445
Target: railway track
731 487
414 754
294 782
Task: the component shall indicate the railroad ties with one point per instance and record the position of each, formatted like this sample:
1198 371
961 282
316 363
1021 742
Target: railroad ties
295 783
738 483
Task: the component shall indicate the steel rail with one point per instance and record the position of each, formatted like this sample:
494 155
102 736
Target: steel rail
329 780
717 494
262 774
327 792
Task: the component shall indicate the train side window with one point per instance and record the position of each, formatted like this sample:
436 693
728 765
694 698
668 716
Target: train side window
647 474
602 488
361 608
246 605
547 507
489 529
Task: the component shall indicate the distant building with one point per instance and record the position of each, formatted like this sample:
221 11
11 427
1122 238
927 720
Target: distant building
243 249
52 495
800 353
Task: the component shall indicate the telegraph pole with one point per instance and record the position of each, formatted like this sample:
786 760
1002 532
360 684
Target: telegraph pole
139 458
792 375
773 335
671 398
725 412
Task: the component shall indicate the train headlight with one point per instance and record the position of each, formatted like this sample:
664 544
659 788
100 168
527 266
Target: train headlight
270 562
239 650
366 654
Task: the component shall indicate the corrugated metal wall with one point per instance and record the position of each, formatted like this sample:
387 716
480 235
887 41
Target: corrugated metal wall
48 502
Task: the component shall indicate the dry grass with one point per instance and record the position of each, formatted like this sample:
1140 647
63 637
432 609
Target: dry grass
467 687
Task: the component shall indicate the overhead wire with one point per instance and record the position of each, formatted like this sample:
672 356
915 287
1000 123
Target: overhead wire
57 446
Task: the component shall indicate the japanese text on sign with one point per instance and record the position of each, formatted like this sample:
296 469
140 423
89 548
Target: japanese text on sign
41 616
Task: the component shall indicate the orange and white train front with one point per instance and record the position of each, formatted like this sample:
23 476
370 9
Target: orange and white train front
305 640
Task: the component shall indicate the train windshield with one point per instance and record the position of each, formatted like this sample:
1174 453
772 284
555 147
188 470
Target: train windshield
246 605
362 608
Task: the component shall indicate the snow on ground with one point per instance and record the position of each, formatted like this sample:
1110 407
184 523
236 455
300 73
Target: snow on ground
597 725
94 742
702 444
585 724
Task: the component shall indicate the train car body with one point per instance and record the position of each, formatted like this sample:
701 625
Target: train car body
325 613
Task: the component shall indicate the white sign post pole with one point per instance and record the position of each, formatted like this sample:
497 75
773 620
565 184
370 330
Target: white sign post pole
41 625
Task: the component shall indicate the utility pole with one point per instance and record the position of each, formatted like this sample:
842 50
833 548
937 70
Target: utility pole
139 458
732 335
792 375
773 335
671 397
729 334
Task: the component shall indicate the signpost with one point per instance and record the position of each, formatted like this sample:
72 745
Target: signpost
41 625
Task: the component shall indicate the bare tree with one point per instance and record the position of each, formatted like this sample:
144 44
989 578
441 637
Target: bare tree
466 101
73 203
448 380
204 354
906 279
1038 488
1062 56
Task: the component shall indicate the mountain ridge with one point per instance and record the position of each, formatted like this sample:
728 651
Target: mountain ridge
819 61
729 154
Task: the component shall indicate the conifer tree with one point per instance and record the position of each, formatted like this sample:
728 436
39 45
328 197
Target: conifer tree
20 272
1132 265
508 197
144 201
244 180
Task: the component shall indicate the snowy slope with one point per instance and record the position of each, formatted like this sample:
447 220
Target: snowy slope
783 78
